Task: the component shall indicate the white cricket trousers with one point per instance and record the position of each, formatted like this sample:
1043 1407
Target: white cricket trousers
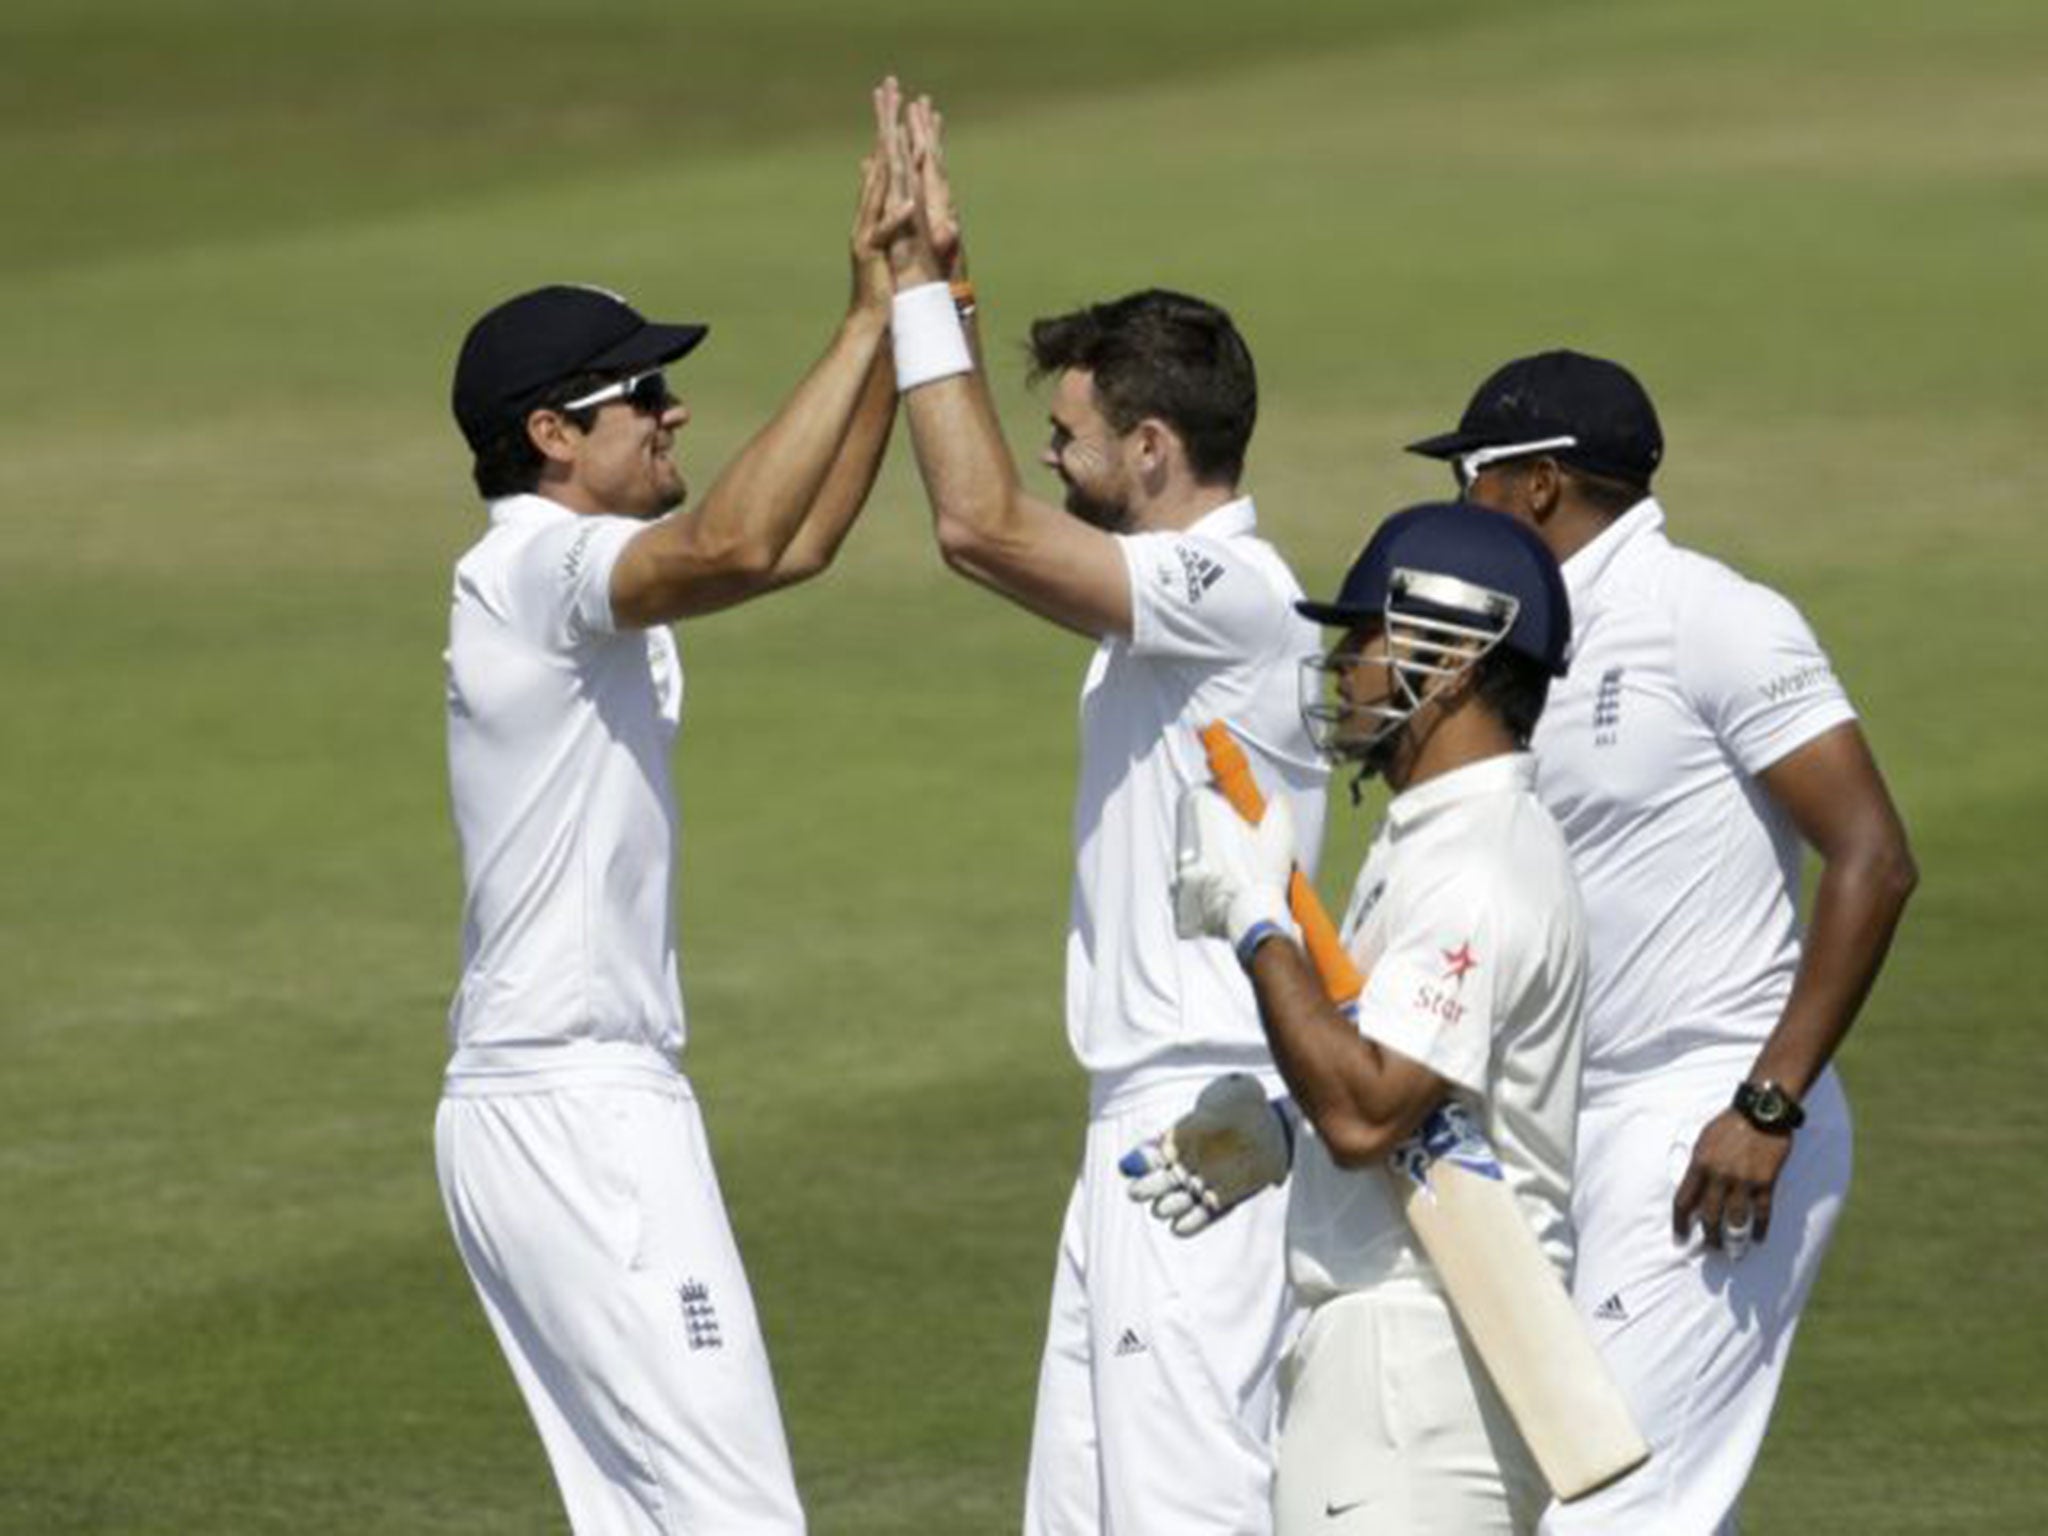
590 1220
1389 1426
1157 1391
1697 1341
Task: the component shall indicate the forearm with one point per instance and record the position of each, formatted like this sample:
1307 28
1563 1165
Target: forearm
969 476
1856 911
1360 1104
764 495
849 479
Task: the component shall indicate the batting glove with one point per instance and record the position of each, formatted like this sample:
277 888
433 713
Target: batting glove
1232 1144
1230 878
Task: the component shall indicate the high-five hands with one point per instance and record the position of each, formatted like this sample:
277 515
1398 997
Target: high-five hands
925 125
1232 1144
878 221
912 254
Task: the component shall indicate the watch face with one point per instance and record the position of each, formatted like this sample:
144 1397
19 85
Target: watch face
1767 1107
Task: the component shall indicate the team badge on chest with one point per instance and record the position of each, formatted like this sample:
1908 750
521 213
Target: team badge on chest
700 1317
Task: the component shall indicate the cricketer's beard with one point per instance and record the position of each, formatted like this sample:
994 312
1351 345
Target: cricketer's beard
1375 760
1109 516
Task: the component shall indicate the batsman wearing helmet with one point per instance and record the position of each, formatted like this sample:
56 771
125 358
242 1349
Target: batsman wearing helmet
1701 743
1466 920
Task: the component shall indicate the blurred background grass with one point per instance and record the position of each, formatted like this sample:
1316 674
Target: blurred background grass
240 244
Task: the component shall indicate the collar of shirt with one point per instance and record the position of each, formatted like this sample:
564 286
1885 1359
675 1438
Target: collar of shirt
1229 521
1505 773
526 508
1584 570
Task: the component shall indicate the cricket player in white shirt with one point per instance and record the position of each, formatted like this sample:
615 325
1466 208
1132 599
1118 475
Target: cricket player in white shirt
572 1157
1467 921
1156 1393
1700 743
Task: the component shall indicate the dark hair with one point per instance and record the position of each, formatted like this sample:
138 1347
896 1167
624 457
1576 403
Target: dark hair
1515 687
509 464
1162 354
1607 495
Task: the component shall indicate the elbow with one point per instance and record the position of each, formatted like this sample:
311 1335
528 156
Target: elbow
1885 868
742 555
752 560
975 526
1352 1141
801 565
962 544
1898 875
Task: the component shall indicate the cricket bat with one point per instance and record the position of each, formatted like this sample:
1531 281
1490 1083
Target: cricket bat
1506 1293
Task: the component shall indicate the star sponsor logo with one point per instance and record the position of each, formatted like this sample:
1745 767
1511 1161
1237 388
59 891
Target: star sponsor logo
1446 1003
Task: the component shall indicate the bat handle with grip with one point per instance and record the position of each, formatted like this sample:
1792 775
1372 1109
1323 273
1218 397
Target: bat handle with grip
1233 776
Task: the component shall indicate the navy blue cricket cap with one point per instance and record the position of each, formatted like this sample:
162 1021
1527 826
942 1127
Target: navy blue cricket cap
519 351
1562 394
1486 556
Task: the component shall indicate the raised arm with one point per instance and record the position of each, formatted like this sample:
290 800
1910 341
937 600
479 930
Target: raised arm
780 509
859 459
988 528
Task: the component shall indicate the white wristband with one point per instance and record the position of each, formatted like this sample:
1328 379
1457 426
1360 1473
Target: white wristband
925 332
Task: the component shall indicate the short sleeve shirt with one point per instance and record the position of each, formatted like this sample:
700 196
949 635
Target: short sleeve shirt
1686 682
559 732
1466 920
1214 636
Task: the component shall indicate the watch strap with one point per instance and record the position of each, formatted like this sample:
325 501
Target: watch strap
1769 1107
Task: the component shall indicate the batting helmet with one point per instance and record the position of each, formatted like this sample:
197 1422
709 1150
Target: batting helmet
1448 582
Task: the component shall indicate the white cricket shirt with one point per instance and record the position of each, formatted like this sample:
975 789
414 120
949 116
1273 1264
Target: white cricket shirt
1467 922
1686 682
559 732
1214 636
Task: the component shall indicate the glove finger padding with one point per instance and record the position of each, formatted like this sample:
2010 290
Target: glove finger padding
1150 1173
1162 1183
1231 1145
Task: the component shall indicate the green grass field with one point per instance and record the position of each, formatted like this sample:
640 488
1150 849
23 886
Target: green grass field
241 242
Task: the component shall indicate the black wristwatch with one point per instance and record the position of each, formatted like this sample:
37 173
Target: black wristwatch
1769 1108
